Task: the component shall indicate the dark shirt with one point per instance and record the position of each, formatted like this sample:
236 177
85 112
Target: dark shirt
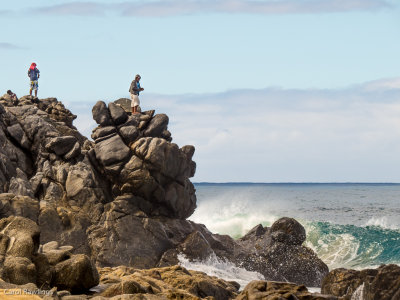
33 74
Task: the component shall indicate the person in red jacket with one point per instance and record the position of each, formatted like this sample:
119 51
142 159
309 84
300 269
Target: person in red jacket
34 75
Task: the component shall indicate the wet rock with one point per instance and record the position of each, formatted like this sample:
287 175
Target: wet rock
288 231
283 258
382 283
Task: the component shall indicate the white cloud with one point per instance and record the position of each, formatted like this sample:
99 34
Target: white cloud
186 7
281 135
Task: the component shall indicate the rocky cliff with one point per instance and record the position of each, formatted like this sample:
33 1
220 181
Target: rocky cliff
70 205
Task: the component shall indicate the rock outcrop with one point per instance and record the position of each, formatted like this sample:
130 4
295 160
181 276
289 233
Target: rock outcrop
121 199
22 263
382 283
173 282
271 290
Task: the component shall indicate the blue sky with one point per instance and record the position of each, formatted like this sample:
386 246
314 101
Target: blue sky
280 90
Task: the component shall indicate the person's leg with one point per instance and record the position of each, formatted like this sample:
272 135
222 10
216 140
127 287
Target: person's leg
36 93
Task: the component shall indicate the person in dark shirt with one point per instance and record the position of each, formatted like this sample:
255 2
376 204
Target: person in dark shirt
135 89
34 75
13 96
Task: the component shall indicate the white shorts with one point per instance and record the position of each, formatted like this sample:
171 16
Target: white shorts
135 100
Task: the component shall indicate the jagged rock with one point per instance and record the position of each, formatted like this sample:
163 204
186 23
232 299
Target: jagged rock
76 274
117 113
133 120
196 247
74 152
13 205
163 156
19 136
129 134
101 114
157 125
271 290
167 283
382 283
125 103
61 145
112 153
99 132
20 186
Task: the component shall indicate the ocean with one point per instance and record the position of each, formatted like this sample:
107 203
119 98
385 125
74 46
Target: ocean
350 225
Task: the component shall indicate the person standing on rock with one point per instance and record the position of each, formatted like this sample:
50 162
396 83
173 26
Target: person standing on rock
135 89
34 75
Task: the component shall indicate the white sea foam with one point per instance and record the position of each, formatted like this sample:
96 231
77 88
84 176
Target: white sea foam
213 266
358 293
382 222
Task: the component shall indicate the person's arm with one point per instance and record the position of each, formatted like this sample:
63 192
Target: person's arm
38 73
29 72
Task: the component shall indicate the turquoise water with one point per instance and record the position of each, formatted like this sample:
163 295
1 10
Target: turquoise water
348 225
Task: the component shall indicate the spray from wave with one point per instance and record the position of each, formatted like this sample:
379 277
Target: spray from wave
213 266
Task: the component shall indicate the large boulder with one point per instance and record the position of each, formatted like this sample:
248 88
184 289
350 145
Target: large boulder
283 253
117 113
112 153
76 274
61 145
101 114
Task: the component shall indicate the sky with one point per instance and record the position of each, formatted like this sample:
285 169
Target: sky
267 91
